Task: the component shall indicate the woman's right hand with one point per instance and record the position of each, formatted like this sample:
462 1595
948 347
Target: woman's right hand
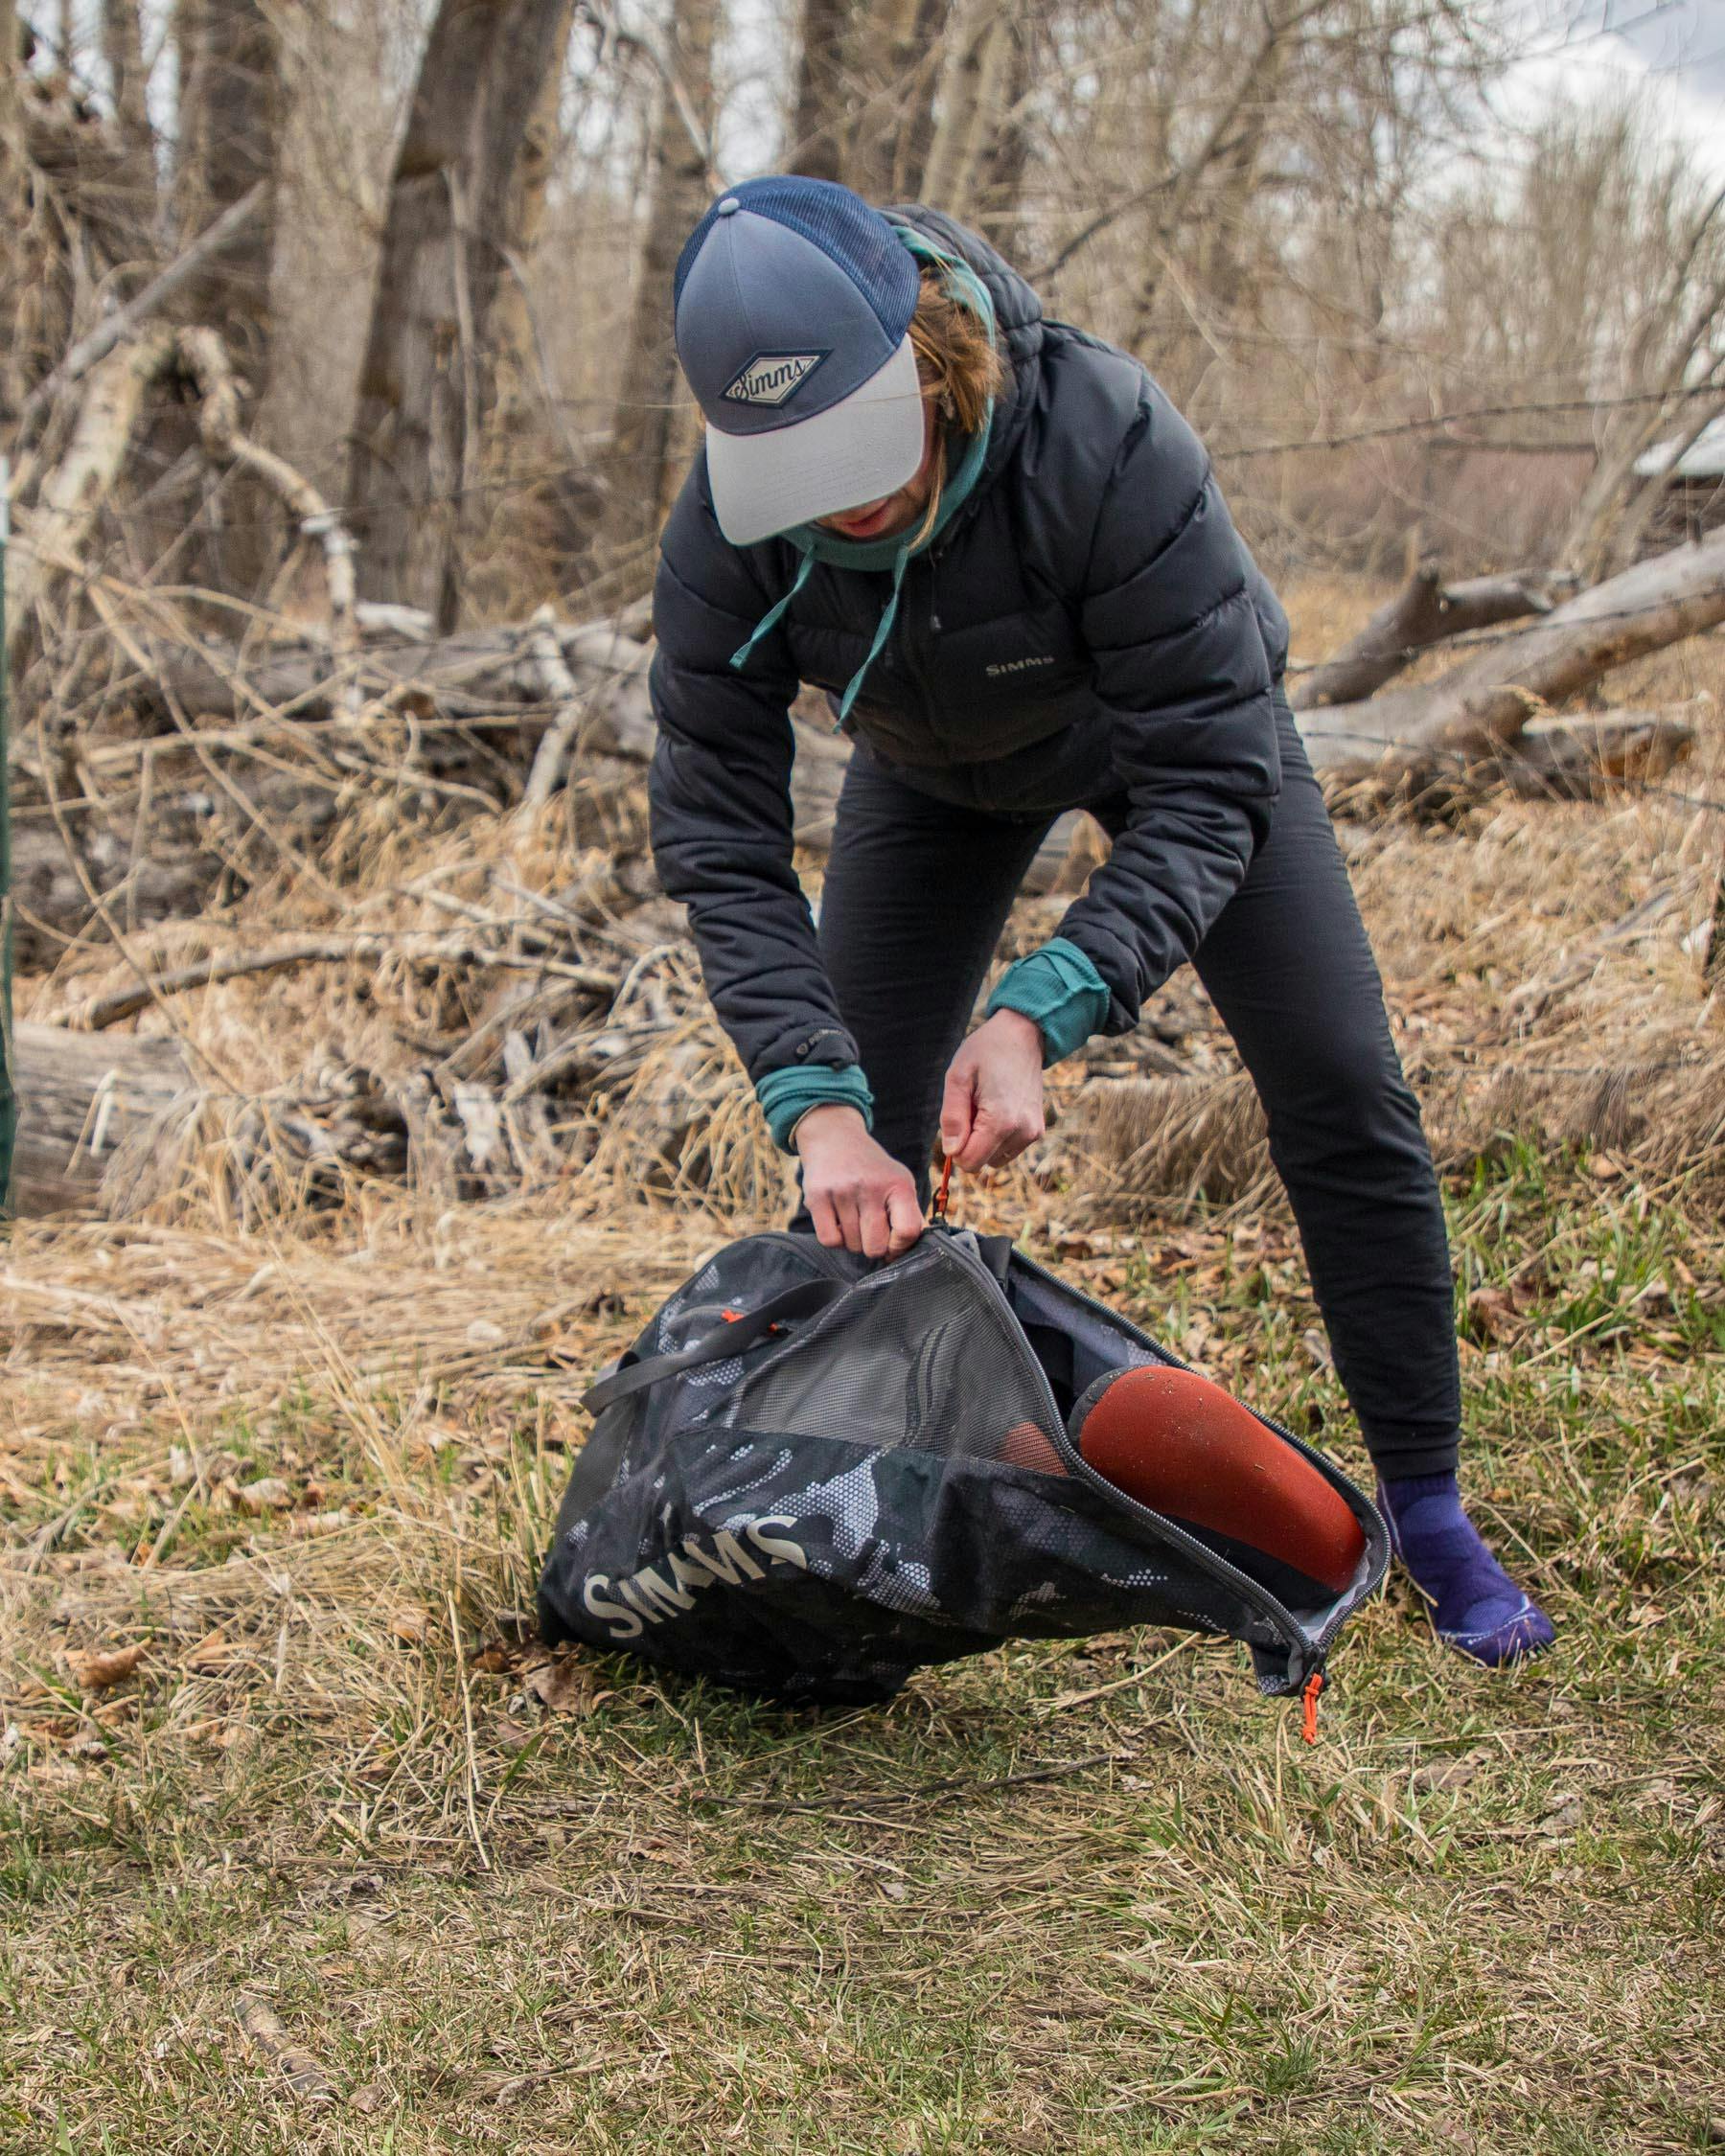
858 1197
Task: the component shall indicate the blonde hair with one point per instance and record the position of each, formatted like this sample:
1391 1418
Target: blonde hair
960 369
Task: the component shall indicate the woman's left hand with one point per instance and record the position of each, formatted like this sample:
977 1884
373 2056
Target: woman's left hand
992 1108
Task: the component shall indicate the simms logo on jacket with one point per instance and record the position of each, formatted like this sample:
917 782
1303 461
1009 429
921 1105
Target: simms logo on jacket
648 1596
770 377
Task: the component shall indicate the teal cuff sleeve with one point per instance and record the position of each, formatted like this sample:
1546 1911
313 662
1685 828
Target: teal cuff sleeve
1061 990
785 1097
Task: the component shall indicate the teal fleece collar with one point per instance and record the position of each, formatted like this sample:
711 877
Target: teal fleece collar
894 553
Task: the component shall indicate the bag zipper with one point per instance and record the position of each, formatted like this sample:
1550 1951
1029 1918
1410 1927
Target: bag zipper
1324 1467
1309 1651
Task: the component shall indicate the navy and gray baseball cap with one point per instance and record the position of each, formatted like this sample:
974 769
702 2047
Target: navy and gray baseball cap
793 300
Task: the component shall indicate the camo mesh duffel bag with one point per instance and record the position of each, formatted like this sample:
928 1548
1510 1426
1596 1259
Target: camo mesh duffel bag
813 1473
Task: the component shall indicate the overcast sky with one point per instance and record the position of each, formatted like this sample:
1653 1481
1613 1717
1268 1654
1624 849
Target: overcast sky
1675 49
1682 39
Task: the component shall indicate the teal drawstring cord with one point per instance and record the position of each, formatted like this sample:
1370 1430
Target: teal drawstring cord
814 544
772 618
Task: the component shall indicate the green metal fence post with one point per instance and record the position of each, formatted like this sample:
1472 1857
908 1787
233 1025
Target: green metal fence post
8 1098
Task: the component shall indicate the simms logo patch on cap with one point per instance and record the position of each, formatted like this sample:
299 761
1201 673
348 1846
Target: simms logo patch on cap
770 377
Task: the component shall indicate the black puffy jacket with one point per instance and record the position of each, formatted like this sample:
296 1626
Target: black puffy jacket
1088 625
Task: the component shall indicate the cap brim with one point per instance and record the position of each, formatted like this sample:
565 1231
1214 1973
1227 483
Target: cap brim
860 449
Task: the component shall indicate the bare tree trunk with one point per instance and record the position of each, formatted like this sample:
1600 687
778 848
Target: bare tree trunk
518 364
232 111
915 56
944 177
423 382
122 49
639 469
232 105
1177 203
818 119
49 538
1004 133
896 53
1218 272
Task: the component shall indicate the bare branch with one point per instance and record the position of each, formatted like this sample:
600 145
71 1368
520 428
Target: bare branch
155 295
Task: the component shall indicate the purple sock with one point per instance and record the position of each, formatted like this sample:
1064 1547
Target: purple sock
1476 1606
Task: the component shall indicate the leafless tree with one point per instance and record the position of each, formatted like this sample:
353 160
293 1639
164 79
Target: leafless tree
819 117
639 465
230 118
423 380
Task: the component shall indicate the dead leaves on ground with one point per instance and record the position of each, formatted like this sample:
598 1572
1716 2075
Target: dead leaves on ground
1449 1774
100 1669
268 1492
563 1682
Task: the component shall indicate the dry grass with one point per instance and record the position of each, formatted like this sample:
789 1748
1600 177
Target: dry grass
338 1865
1094 1899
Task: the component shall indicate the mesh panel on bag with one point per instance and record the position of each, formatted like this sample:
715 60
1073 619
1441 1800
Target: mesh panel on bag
913 1356
674 1329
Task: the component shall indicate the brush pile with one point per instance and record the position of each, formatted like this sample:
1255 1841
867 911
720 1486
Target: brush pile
310 896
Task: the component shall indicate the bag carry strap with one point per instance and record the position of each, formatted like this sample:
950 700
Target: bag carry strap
634 1373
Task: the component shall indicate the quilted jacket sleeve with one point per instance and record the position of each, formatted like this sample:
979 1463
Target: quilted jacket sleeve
1170 609
720 796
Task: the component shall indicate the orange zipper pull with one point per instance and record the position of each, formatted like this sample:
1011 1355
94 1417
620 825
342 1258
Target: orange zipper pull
937 1210
1308 1727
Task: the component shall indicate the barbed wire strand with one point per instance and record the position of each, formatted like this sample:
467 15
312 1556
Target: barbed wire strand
523 480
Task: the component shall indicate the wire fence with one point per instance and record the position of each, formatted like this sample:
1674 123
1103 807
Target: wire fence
9 1099
607 464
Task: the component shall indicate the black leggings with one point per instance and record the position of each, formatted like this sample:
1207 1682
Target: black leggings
917 892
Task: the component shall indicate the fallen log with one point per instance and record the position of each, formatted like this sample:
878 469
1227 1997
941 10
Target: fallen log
158 851
474 673
108 1123
120 1004
1481 707
1424 612
51 907
598 698
1578 760
80 1100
